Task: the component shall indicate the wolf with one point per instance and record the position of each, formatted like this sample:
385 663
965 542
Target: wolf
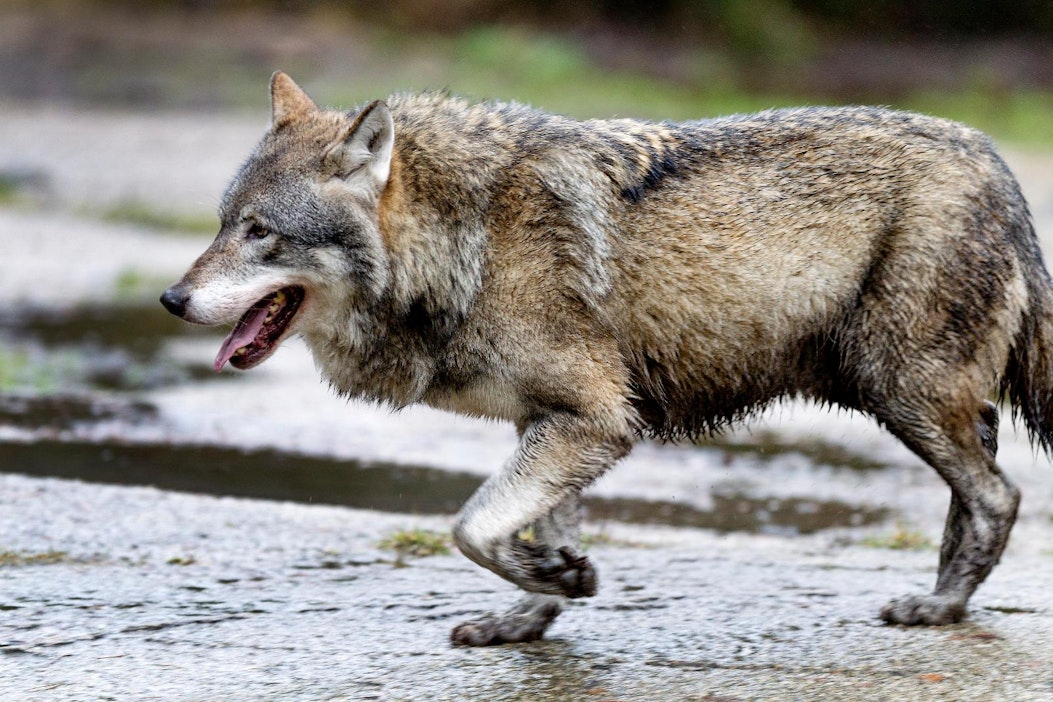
597 282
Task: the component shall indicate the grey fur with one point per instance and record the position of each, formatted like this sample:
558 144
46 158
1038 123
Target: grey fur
595 282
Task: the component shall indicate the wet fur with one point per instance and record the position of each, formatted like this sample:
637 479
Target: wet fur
595 282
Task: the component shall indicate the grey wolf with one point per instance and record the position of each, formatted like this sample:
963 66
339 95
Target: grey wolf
597 282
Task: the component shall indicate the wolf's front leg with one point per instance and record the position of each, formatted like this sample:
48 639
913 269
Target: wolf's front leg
539 487
530 617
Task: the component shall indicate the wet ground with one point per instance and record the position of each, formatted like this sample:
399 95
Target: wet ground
170 534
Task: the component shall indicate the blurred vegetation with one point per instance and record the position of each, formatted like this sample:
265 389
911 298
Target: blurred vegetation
143 214
988 64
750 21
417 543
17 559
903 538
22 370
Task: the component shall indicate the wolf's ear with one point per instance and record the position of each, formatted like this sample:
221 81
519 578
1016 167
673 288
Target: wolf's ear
365 146
289 102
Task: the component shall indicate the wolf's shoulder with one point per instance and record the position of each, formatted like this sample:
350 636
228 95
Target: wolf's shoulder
446 106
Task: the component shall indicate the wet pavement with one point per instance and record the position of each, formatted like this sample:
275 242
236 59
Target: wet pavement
160 595
170 534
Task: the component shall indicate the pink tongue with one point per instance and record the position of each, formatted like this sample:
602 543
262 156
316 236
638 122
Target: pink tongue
242 335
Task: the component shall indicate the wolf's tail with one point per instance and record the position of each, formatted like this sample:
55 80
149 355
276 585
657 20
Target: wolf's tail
1028 379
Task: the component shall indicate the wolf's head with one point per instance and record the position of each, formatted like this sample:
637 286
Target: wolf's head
299 228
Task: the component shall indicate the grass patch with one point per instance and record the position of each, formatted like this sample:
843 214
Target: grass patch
14 559
8 190
13 365
17 185
44 372
417 543
903 538
181 561
21 370
144 215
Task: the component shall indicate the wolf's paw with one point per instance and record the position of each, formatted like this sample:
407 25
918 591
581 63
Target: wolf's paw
514 626
562 572
924 610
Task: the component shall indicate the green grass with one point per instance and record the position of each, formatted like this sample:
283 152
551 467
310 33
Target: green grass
903 538
181 561
18 185
12 559
13 365
40 373
417 543
8 190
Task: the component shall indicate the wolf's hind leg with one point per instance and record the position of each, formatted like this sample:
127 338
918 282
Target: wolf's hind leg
530 617
987 426
982 511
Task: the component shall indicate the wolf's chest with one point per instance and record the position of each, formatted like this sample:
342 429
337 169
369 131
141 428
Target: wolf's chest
482 397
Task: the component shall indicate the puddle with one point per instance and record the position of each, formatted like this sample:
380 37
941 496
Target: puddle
58 361
767 446
275 475
740 512
118 347
59 412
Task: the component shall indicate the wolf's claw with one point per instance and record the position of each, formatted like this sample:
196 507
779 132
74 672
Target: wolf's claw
578 577
554 572
572 575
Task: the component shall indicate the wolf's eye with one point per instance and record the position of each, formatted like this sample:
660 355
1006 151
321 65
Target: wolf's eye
256 231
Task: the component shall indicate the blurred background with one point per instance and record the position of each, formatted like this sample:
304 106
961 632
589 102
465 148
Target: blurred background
987 63
121 122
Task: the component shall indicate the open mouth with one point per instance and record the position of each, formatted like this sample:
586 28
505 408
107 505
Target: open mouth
258 332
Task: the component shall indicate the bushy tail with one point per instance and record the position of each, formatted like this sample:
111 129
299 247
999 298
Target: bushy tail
1029 373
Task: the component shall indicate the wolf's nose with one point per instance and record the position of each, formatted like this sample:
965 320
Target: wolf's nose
174 299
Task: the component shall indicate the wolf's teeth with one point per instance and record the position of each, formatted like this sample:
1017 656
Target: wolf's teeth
274 307
241 351
268 319
279 298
